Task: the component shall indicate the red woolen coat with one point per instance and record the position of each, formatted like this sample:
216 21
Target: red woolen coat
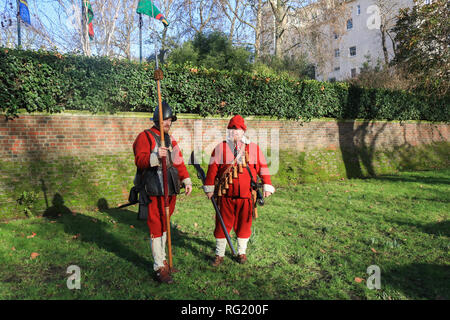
142 151
145 157
221 158
236 206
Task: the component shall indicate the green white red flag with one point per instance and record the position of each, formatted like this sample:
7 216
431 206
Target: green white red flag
148 8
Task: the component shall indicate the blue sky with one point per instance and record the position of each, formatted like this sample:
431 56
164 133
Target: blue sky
49 10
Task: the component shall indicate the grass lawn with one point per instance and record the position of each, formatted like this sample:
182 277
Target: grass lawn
311 241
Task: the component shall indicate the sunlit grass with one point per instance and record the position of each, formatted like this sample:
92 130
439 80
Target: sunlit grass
311 241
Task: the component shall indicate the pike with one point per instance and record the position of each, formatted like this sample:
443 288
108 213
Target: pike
201 175
158 76
148 8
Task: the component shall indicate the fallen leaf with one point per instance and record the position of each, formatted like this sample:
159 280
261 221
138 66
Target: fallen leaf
13 249
32 235
34 255
373 250
323 251
359 280
236 291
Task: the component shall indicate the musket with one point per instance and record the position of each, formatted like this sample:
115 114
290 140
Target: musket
158 75
127 205
201 175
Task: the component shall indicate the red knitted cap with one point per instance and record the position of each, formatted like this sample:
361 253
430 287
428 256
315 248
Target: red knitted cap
237 122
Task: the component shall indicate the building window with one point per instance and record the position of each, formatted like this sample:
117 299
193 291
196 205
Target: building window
336 53
353 72
349 24
358 9
352 51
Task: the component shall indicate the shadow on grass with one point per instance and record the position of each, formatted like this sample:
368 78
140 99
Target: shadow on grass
414 178
420 280
91 230
179 238
441 228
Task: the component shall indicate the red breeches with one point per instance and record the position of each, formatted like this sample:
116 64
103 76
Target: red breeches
237 215
156 219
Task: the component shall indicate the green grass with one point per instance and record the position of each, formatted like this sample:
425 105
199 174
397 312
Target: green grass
310 242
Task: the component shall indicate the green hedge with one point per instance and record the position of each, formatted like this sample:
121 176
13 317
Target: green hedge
51 82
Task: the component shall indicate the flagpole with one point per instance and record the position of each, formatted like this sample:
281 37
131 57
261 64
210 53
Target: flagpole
19 38
158 75
140 37
85 28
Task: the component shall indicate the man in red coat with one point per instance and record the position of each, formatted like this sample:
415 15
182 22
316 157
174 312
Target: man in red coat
236 205
148 152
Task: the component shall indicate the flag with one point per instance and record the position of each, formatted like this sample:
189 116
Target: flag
148 8
23 11
90 16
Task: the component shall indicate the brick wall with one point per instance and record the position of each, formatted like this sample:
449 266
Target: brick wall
43 137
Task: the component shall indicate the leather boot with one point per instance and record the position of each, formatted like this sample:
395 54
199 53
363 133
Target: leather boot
163 276
166 265
242 258
217 261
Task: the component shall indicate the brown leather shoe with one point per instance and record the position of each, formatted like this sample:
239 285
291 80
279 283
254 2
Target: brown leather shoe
173 270
242 258
217 261
163 276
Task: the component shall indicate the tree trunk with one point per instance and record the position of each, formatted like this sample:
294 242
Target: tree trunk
383 44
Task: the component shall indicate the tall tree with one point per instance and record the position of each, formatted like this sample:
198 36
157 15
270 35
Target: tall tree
126 29
423 46
249 14
387 12
199 15
280 9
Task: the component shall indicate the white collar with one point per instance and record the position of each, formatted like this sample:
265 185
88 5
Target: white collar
244 139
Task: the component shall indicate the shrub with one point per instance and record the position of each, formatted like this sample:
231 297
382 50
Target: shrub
51 82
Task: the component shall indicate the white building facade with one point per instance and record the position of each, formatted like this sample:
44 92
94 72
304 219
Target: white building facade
362 38
348 35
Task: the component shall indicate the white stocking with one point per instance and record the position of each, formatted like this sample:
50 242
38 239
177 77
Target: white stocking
242 245
221 245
